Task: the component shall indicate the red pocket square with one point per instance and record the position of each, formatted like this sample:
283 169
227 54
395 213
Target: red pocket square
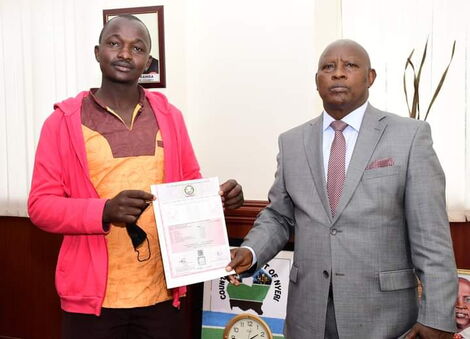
387 162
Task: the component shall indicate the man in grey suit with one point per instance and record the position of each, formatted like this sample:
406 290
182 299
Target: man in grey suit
367 204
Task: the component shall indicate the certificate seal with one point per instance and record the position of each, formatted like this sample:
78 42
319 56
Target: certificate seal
189 190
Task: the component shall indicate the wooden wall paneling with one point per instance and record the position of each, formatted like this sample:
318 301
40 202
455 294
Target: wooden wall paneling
29 305
240 221
460 232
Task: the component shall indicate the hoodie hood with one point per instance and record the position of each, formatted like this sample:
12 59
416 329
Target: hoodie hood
71 105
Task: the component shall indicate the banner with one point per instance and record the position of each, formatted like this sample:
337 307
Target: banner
264 295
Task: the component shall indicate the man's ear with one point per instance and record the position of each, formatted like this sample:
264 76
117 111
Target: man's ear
97 51
371 77
316 80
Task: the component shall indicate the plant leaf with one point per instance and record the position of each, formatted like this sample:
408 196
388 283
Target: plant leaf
441 82
415 104
423 58
408 62
418 79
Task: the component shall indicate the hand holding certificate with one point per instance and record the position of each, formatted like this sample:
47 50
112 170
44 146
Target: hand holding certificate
191 231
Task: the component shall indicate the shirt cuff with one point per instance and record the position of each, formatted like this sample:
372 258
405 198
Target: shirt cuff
253 253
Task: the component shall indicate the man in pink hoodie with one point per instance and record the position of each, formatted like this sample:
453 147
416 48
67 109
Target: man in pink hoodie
97 156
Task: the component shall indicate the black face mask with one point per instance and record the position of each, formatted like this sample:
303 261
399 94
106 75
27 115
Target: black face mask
138 236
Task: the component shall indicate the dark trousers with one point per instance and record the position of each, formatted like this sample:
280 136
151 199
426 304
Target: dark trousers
331 330
160 321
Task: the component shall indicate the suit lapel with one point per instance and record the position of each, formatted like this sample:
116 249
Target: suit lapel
313 145
372 128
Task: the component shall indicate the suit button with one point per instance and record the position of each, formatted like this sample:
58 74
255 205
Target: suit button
326 274
333 231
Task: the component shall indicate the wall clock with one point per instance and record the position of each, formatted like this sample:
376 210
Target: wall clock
247 326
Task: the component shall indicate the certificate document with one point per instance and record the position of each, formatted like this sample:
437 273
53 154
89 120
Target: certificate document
191 231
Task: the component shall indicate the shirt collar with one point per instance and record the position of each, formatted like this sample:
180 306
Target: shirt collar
141 97
353 119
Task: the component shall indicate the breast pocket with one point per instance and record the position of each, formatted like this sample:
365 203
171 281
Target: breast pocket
380 172
382 189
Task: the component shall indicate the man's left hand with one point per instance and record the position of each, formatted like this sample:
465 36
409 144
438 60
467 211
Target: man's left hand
424 332
232 194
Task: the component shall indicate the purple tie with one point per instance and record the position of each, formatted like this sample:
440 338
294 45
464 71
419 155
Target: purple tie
336 165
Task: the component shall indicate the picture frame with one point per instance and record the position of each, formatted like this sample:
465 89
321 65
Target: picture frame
462 307
464 273
152 17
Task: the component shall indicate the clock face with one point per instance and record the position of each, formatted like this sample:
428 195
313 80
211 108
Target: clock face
246 326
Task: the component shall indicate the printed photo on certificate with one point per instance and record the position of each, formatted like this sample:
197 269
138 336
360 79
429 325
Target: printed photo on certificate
191 231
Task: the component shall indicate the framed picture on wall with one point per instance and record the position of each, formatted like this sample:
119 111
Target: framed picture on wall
462 306
152 17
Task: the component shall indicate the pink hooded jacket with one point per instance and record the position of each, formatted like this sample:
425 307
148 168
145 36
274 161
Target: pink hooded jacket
63 199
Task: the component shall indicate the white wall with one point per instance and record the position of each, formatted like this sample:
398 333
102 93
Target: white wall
242 72
250 77
390 30
46 55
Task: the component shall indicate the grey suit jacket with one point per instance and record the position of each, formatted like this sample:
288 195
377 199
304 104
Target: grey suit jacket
390 227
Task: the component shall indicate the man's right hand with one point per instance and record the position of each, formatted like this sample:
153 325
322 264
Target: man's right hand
126 207
241 262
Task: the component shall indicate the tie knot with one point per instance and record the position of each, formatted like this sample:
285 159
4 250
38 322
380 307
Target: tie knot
338 125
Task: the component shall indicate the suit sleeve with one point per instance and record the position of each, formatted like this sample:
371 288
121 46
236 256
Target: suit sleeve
272 227
429 233
50 206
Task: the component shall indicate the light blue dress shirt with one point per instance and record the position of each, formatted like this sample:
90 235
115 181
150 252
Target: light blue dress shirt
351 132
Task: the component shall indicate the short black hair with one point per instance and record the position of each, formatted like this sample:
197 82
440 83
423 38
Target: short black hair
128 17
